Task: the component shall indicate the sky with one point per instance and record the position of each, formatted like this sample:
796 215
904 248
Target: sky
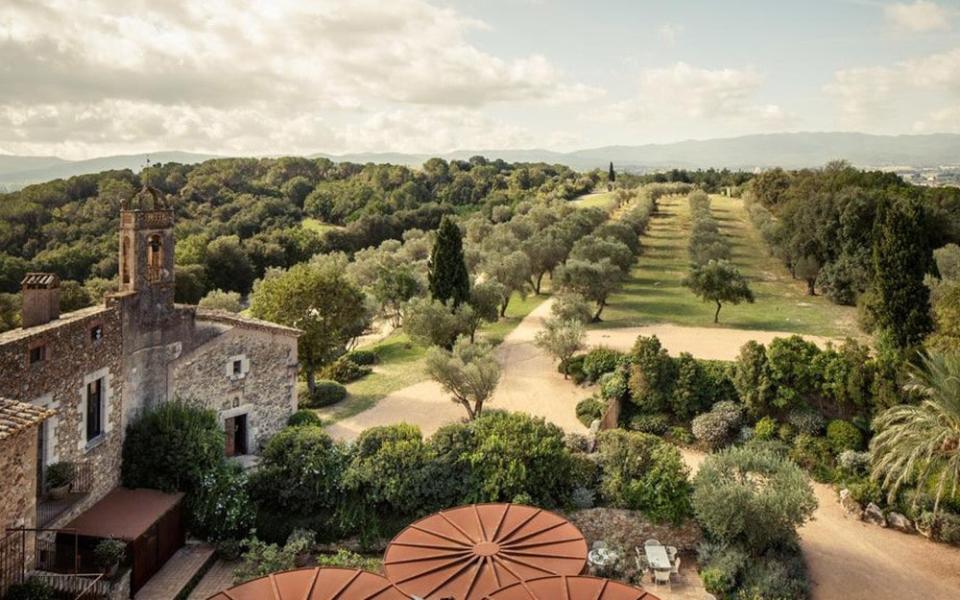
85 78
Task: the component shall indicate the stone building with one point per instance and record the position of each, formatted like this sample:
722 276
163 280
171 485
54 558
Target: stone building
85 375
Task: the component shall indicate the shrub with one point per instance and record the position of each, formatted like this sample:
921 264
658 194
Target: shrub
721 566
574 368
865 491
807 421
642 472
813 453
651 375
853 462
304 417
614 385
31 589
387 473
577 442
60 474
655 424
582 498
363 357
718 427
599 361
514 453
948 530
344 370
326 393
586 470
262 559
753 379
221 508
691 391
298 481
786 432
680 435
842 435
590 409
780 574
172 448
109 552
732 508
766 428
792 368
346 559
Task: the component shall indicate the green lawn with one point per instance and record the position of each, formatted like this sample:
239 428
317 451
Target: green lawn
402 362
654 293
604 200
317 225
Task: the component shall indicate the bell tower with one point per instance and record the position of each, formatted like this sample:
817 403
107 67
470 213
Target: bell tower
146 251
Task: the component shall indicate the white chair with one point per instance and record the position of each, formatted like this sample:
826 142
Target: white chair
676 567
671 552
661 577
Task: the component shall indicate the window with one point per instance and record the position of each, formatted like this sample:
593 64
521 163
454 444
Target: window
94 409
238 367
38 354
96 333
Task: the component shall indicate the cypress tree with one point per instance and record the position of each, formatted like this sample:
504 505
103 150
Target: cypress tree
612 175
449 280
902 255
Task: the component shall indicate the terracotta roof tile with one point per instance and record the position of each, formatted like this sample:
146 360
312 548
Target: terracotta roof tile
17 416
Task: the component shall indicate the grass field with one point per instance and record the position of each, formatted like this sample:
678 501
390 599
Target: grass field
402 362
604 200
316 225
654 293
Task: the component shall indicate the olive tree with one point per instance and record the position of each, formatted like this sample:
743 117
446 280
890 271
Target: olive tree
468 372
719 281
561 339
595 281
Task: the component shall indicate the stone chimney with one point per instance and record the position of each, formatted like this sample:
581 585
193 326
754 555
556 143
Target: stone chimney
41 299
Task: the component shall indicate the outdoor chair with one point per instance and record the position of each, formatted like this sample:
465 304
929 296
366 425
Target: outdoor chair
642 565
661 577
671 552
676 567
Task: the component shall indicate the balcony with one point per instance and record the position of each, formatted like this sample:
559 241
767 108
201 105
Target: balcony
52 504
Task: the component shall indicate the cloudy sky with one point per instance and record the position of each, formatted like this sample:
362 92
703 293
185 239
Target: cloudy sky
83 78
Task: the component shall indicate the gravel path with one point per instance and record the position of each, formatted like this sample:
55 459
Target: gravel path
847 558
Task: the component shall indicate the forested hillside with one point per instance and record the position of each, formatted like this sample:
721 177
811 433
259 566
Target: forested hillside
238 217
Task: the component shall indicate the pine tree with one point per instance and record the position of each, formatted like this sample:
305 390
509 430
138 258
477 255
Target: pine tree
901 257
612 175
449 280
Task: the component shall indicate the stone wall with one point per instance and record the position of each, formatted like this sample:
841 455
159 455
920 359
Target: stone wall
264 389
18 470
73 359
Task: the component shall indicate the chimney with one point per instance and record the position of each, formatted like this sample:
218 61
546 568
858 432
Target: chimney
41 299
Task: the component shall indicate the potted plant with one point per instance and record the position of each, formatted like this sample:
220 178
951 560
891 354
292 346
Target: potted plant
60 477
108 554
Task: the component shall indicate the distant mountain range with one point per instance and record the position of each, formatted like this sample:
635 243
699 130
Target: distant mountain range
18 171
789 150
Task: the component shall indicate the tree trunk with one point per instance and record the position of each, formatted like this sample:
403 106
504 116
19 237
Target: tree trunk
539 283
503 307
716 315
810 287
311 380
601 305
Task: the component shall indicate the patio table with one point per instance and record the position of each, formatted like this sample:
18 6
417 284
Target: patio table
657 558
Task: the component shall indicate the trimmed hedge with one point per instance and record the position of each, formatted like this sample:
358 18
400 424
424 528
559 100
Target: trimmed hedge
304 417
344 370
599 361
655 423
363 357
326 393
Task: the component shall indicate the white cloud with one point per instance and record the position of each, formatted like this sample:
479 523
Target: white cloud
244 75
881 94
697 95
919 17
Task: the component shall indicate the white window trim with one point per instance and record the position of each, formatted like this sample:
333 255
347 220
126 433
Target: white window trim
46 401
106 398
244 366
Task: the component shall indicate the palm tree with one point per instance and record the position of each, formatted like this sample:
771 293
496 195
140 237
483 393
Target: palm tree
921 443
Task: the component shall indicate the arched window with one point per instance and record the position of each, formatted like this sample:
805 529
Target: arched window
154 258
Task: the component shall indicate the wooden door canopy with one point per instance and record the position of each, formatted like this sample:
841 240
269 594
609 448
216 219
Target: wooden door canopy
570 588
315 584
470 551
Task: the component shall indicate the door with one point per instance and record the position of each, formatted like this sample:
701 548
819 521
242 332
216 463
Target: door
236 430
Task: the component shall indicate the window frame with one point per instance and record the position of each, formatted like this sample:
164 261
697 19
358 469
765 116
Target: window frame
94 419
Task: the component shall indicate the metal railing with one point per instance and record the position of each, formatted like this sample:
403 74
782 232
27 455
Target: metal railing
12 554
85 586
49 508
